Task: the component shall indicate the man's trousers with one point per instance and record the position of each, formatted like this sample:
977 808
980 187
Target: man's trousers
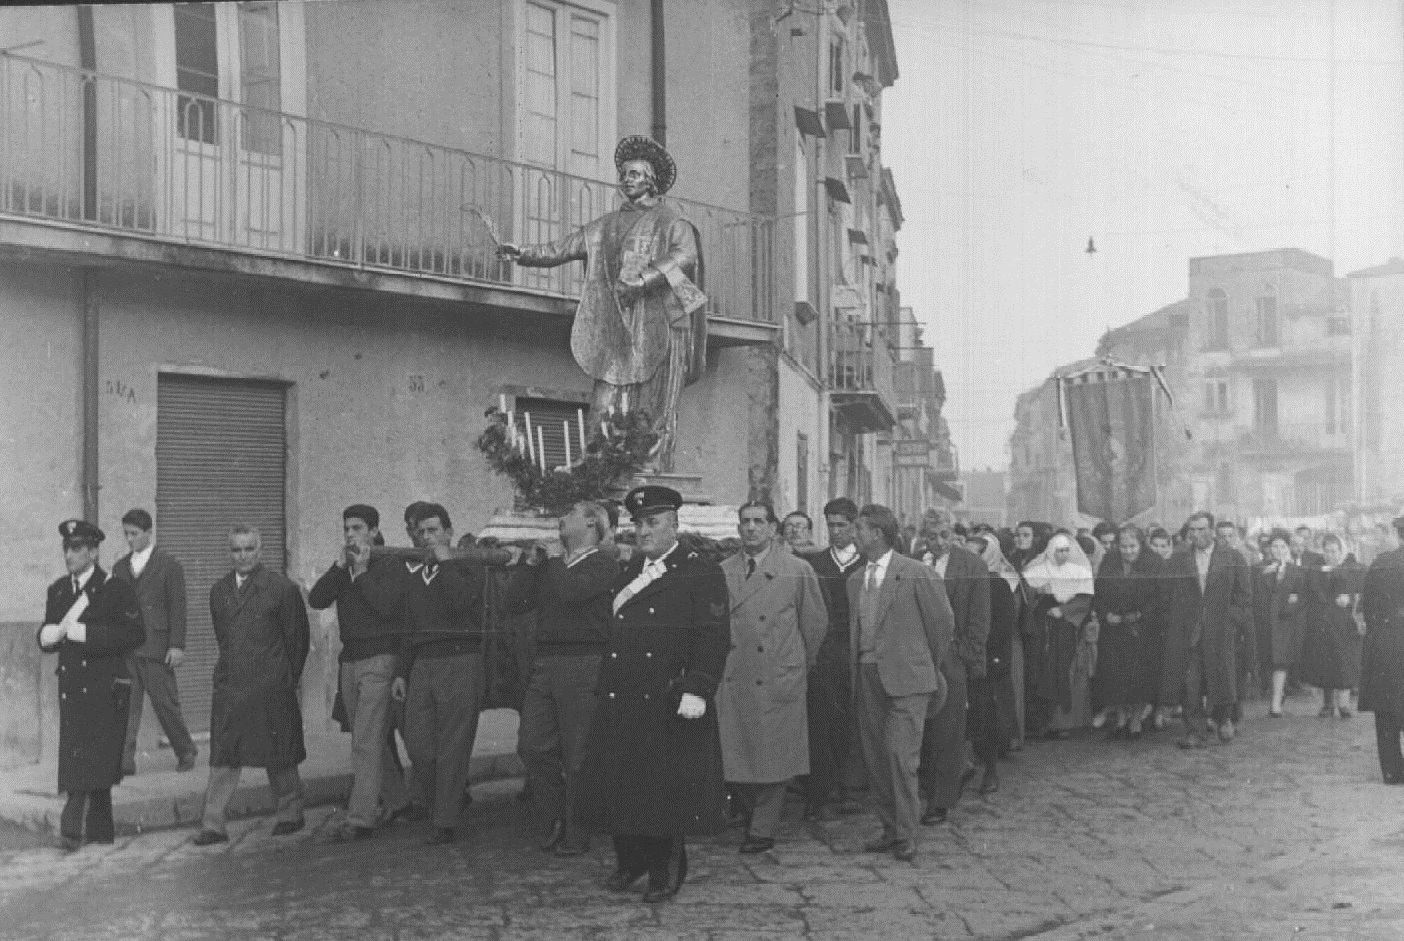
1388 728
88 816
1196 717
831 727
889 735
943 741
376 775
441 717
763 805
153 678
556 712
285 783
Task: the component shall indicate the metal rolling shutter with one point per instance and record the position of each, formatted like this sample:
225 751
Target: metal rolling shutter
220 460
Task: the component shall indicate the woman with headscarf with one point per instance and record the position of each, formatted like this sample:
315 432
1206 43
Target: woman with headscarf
1004 648
1127 603
1064 587
1279 598
1331 648
1030 541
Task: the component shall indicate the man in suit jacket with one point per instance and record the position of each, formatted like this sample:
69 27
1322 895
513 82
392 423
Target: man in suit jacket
93 623
778 622
159 582
1210 604
260 622
966 580
900 629
830 695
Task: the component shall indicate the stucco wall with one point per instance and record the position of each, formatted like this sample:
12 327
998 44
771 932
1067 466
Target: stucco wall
801 412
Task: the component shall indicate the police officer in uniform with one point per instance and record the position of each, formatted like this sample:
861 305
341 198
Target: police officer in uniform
93 622
652 773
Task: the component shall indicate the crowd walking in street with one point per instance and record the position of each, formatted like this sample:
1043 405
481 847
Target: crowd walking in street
670 691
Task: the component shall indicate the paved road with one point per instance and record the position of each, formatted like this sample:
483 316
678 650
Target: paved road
1286 834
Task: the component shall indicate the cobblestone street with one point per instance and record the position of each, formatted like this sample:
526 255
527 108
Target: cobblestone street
1285 834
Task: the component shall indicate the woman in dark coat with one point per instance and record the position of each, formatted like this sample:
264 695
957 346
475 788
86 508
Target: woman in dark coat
93 630
652 775
993 718
1278 602
1127 603
1382 669
1331 648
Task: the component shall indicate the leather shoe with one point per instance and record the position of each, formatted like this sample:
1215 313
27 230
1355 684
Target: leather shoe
284 827
934 816
990 782
757 844
881 844
410 813
209 838
70 843
187 762
553 835
905 850
621 880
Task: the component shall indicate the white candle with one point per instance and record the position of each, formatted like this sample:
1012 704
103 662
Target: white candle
565 434
580 426
531 444
502 403
624 405
541 447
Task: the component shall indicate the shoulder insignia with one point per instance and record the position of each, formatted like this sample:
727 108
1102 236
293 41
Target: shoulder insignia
718 610
692 555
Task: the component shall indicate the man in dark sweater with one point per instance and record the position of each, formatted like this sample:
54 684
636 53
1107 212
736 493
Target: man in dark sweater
370 643
571 598
439 674
830 693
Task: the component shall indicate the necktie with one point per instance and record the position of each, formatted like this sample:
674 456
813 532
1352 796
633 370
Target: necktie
750 566
76 587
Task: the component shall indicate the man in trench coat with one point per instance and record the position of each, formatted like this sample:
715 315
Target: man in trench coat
778 621
1211 601
260 623
93 622
1382 669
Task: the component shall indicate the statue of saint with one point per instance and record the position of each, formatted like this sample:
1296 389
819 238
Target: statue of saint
641 328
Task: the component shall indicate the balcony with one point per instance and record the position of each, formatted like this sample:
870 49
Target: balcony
860 376
1331 351
1301 438
137 170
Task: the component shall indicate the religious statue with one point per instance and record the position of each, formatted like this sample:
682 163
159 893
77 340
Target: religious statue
641 328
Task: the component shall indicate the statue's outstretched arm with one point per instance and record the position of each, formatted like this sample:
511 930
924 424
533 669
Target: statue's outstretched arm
574 247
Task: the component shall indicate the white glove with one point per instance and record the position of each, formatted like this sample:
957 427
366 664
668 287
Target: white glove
692 707
50 634
77 631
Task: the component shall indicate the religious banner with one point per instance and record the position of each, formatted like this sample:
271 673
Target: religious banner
1110 414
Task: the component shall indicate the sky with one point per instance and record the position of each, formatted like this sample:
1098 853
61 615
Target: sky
1161 129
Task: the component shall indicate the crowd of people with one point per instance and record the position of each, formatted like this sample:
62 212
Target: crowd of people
671 688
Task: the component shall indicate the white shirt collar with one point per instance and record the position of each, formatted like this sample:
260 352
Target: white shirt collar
759 557
583 554
139 559
84 576
881 562
659 562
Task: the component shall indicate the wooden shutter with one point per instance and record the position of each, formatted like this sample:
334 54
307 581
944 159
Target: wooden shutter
220 460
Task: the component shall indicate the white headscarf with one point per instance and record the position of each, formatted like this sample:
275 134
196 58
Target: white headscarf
1064 582
997 563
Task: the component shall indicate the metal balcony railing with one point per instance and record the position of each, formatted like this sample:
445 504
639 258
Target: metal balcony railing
1296 437
861 373
100 152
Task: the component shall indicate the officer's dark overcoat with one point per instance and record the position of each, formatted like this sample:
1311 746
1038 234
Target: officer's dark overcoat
647 771
94 686
1382 603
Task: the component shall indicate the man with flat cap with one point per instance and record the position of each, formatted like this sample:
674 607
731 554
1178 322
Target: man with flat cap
93 622
159 582
653 766
641 328
370 641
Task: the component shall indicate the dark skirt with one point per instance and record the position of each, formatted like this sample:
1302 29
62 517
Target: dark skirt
1124 673
1331 651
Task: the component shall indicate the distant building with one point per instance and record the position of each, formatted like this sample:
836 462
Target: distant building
1377 316
985 499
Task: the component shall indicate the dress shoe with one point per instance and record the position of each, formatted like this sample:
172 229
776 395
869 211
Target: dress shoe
187 762
410 813
351 832
440 836
621 880
285 827
1191 741
572 845
659 892
757 844
553 835
934 816
209 838
71 843
881 844
1226 731
966 776
905 850
990 782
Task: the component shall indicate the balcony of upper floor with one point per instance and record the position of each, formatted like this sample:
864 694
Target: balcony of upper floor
1295 439
96 169
1326 347
860 375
